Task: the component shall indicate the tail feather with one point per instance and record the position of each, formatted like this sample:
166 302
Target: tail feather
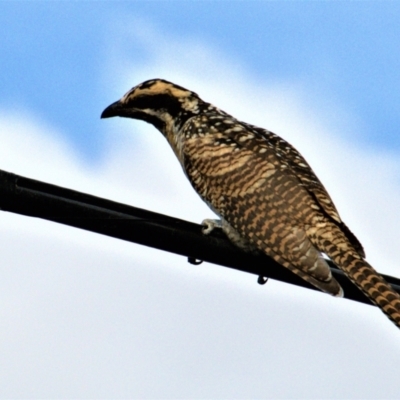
368 280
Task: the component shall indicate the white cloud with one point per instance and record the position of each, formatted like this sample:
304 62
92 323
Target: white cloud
90 316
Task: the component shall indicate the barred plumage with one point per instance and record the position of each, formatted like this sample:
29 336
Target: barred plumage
265 193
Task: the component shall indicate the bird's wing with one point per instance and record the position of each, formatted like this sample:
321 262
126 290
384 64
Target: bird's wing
302 170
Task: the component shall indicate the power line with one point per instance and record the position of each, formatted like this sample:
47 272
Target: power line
42 200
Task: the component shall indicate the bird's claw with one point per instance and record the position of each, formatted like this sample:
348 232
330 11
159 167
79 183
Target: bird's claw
208 225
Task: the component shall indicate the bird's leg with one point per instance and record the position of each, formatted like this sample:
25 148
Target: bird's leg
210 224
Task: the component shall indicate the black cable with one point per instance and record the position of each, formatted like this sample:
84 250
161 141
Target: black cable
42 200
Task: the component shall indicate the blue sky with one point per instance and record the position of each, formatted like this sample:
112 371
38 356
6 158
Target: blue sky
345 51
87 316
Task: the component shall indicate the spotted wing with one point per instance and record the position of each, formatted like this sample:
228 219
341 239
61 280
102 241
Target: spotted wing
302 170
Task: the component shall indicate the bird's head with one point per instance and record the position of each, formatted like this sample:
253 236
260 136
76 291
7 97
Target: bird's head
159 102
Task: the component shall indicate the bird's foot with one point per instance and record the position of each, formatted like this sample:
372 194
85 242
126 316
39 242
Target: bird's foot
210 224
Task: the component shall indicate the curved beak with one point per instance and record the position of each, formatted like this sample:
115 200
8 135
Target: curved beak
113 110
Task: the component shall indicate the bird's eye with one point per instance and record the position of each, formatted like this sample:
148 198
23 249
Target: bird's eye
142 102
156 102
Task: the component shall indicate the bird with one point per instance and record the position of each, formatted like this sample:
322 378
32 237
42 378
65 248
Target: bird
267 197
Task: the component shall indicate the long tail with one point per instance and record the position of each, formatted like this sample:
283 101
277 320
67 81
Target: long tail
370 283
